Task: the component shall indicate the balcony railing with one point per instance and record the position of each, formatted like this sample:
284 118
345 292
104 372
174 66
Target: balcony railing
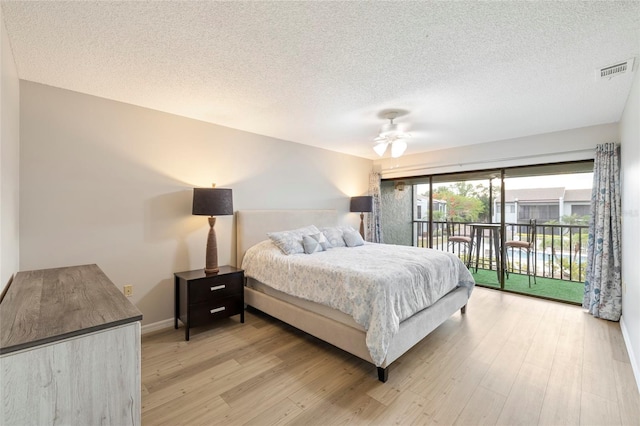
560 250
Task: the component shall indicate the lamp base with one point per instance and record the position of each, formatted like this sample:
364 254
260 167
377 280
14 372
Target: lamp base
211 261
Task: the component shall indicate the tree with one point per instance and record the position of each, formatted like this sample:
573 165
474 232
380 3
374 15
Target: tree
465 202
482 193
460 208
479 192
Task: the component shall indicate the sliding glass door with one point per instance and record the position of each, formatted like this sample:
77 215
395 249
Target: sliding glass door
538 233
547 211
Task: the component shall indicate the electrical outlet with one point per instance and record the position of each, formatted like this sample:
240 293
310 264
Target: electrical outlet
128 290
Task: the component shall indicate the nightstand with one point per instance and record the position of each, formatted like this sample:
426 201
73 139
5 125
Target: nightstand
202 298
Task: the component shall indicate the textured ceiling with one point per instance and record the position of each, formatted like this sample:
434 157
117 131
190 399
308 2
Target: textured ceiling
320 73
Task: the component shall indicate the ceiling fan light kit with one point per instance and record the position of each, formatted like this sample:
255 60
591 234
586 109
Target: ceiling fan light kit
380 148
391 134
398 148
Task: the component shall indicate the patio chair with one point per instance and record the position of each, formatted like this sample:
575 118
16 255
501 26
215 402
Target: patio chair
458 239
529 246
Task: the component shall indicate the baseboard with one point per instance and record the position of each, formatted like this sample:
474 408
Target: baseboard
632 357
160 325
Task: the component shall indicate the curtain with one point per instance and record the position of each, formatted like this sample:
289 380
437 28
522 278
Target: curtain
603 285
374 231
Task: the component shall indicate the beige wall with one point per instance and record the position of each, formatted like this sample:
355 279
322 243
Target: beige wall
568 145
9 162
630 169
110 183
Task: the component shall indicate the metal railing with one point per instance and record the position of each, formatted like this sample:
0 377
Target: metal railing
560 250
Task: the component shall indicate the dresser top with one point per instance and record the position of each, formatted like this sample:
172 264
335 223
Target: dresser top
49 305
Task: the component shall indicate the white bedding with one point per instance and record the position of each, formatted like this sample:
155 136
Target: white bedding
379 285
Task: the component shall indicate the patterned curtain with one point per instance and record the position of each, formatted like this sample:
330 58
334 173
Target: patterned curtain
603 285
374 232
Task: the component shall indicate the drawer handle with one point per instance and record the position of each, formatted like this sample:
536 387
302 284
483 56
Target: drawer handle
213 311
218 287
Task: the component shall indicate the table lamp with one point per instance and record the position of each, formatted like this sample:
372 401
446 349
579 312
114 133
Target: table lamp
212 202
363 205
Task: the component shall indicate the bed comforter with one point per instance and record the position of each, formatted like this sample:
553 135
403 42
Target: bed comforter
379 285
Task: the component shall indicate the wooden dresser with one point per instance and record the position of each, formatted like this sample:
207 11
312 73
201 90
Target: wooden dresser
69 350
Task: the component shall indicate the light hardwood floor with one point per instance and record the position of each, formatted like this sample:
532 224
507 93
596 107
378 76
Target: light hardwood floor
509 360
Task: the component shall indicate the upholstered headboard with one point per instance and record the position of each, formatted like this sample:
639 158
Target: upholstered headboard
252 225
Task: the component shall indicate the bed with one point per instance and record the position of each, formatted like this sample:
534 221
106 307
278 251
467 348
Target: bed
332 325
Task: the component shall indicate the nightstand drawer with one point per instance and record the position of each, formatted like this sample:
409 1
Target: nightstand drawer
204 313
215 289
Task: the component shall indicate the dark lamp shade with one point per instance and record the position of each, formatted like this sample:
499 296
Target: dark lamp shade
362 204
212 201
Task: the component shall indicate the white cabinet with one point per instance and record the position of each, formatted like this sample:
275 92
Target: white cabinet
87 373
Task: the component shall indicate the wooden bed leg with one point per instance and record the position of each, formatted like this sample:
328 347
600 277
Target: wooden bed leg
383 374
463 310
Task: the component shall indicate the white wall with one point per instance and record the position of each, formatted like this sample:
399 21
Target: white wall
630 170
568 145
9 162
110 183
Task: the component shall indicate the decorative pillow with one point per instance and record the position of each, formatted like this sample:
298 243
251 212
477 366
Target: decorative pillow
322 240
312 244
334 235
290 242
353 238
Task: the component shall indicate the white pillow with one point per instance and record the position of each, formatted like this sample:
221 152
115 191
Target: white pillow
290 242
334 235
322 240
353 239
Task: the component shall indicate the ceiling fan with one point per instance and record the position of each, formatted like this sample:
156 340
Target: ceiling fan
391 134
